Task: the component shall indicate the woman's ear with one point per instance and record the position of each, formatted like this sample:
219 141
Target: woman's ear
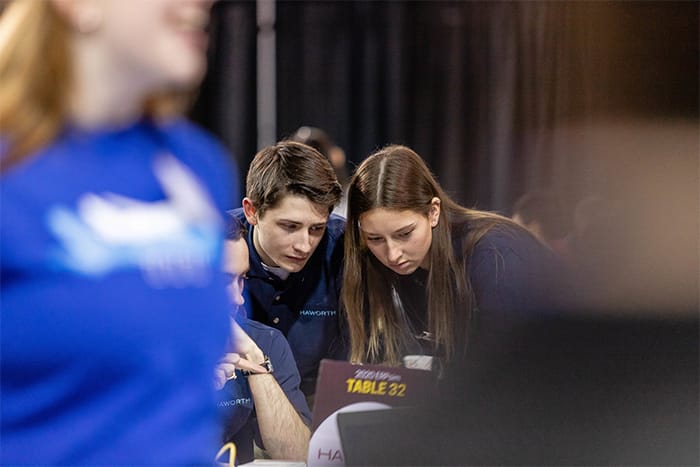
251 214
434 214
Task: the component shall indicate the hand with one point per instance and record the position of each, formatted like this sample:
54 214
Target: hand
243 345
242 355
226 369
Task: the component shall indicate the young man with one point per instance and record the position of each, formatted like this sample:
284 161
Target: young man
260 396
296 252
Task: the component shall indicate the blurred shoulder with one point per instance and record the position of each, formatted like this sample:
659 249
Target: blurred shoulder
498 236
187 132
203 153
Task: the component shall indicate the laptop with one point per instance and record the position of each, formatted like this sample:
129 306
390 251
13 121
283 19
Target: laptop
384 437
344 387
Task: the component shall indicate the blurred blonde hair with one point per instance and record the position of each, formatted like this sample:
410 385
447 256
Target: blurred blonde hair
36 79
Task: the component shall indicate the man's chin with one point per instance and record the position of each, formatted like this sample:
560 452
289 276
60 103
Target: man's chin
293 266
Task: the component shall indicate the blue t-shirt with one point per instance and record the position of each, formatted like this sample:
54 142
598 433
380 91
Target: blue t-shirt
305 306
114 311
236 401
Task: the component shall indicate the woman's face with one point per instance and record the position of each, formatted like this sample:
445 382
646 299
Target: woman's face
400 239
154 44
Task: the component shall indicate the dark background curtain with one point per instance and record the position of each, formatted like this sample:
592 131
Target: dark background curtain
226 104
587 98
489 93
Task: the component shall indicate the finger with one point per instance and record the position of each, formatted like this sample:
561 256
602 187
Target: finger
219 379
230 358
255 355
228 370
244 364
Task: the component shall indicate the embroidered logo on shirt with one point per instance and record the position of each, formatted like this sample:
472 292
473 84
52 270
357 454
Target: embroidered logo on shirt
235 402
174 242
316 313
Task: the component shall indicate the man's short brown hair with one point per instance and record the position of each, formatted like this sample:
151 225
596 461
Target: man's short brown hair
289 167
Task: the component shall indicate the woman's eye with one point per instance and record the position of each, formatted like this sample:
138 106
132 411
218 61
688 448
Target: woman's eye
405 234
374 239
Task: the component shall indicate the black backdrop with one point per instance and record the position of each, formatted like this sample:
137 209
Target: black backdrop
494 95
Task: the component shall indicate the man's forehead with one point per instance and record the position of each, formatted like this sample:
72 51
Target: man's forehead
236 251
298 209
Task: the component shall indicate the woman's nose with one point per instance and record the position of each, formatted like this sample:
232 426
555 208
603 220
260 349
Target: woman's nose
393 252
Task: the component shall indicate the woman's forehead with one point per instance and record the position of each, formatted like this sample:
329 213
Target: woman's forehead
387 220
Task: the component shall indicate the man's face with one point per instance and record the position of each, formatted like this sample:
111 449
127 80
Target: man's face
287 235
236 266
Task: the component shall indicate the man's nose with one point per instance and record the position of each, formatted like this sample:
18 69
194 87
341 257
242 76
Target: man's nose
236 293
303 243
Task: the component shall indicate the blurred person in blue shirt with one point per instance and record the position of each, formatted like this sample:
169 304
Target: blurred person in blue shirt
114 310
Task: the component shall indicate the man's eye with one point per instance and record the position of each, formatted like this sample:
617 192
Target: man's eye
318 229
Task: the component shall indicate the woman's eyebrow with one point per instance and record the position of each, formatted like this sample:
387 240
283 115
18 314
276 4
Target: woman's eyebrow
399 230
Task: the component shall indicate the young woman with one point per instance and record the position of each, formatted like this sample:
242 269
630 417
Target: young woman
114 308
419 268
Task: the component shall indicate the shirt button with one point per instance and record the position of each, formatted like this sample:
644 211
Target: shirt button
275 320
277 298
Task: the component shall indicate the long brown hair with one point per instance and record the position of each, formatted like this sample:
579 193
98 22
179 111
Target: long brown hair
397 178
36 79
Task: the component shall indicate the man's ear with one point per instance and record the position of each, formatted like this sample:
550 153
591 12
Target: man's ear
251 214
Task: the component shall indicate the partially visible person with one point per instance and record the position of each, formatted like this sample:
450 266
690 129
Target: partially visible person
588 387
421 270
259 404
588 233
542 213
322 142
612 259
114 310
296 253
